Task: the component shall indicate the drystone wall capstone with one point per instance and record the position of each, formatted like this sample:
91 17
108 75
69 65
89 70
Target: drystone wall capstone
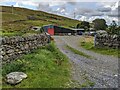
111 41
16 46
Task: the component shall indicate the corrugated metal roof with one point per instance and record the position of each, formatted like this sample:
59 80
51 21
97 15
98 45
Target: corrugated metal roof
79 29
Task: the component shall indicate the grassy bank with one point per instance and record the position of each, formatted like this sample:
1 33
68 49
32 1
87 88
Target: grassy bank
78 52
88 44
19 22
46 67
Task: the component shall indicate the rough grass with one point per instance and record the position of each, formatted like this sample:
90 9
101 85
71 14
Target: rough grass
6 16
46 67
78 52
43 18
88 44
87 83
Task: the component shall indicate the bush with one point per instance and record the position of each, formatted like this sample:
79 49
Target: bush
18 65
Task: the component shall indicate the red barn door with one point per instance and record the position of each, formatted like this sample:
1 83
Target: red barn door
51 31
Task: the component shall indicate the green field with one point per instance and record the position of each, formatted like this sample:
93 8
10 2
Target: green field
18 21
78 52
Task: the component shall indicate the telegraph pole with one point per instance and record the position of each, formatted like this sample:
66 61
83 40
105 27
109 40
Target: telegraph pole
12 8
74 15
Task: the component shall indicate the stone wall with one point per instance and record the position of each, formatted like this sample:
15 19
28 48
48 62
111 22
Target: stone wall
111 41
14 47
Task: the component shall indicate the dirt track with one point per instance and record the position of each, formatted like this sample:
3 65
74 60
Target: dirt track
102 69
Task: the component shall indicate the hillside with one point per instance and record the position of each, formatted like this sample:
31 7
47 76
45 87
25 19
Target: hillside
21 19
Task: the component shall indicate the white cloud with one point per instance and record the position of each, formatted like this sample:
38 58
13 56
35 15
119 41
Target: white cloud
113 5
58 9
62 11
104 9
29 3
114 14
83 18
87 12
17 5
56 3
44 7
95 13
107 18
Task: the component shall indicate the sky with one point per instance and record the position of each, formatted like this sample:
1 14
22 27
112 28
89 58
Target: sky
83 10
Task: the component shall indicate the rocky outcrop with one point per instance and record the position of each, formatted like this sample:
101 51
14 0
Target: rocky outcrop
14 47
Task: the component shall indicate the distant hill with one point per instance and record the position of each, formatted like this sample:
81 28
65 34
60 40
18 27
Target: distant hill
21 19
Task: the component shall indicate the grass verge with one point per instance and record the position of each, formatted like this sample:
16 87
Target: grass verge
78 52
87 83
46 67
104 51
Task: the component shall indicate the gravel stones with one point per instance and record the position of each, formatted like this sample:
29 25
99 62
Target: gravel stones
102 69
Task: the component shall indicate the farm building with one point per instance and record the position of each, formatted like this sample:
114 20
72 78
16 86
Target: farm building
79 31
49 29
58 30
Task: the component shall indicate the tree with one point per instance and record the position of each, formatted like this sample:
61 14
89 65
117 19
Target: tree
99 24
84 25
78 25
113 28
118 30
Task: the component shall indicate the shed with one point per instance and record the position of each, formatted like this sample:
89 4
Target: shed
49 29
63 31
79 31
59 30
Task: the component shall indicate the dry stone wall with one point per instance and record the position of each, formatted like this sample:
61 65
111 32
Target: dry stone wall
14 47
111 41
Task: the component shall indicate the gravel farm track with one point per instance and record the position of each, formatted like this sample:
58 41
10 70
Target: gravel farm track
101 69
